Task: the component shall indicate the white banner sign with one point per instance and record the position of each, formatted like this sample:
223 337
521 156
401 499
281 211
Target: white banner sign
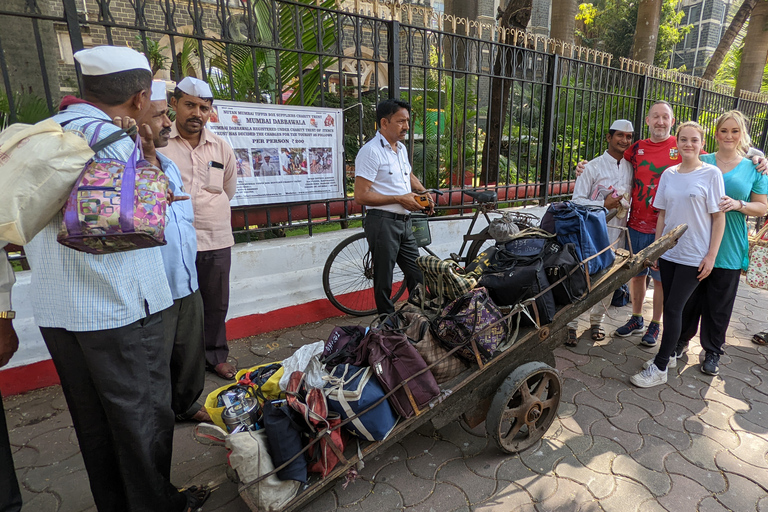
284 154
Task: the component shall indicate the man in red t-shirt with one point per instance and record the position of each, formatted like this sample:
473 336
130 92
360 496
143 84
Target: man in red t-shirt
649 158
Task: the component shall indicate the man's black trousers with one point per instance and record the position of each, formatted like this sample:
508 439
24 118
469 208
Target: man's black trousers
390 239
118 388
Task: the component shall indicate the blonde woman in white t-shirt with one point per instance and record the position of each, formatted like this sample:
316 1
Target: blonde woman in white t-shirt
688 193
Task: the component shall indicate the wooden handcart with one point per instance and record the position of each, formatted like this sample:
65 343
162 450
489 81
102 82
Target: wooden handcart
518 392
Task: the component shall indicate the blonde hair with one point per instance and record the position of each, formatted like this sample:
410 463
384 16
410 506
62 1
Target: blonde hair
745 141
692 124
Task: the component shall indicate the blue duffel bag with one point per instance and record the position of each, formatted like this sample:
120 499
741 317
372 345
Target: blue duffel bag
352 389
585 228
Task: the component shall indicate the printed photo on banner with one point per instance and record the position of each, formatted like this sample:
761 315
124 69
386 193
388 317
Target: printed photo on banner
321 160
293 161
243 163
266 162
285 154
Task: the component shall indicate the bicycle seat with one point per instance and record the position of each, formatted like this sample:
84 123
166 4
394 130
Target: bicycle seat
482 196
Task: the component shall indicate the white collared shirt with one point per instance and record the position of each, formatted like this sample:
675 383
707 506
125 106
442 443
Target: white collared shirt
602 176
389 171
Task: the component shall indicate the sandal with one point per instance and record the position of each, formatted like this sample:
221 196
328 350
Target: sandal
760 338
225 370
196 496
573 339
598 333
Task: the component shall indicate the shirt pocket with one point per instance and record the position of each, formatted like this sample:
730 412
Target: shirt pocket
214 181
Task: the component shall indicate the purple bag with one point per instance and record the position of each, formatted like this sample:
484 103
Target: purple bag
393 359
462 320
342 345
116 206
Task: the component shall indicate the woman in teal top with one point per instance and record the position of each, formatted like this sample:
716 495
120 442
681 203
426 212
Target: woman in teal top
745 190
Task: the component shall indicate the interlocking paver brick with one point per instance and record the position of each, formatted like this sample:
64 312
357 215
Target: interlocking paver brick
718 413
571 387
476 488
629 441
727 438
444 497
353 493
693 404
43 501
587 380
600 456
487 463
607 407
417 445
656 482
702 452
762 504
509 498
599 485
680 440
542 459
627 497
413 489
374 464
652 407
427 464
630 418
728 462
653 452
742 494
713 481
569 496
468 443
383 498
710 504
582 419
326 502
651 506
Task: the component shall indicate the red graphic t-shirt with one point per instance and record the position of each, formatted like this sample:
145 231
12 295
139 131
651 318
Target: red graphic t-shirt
649 160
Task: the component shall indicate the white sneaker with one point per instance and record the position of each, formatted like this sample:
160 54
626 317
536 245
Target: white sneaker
649 377
671 364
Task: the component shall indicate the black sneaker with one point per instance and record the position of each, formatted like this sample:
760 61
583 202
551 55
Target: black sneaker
710 365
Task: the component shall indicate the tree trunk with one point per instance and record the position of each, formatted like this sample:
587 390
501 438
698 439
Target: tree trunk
730 35
647 30
755 50
564 21
517 14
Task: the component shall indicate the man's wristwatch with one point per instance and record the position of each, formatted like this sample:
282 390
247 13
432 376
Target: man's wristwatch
8 315
743 204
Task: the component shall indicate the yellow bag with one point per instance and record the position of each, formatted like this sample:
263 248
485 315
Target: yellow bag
270 390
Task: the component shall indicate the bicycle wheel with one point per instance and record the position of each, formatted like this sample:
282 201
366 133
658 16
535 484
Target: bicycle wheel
348 277
479 245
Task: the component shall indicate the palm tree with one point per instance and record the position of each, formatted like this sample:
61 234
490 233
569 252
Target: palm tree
755 50
729 37
647 30
564 21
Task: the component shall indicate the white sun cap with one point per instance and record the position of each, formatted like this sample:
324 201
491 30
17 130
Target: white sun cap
622 125
195 87
158 91
105 60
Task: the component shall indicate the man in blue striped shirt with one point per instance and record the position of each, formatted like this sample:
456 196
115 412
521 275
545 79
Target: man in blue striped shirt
100 317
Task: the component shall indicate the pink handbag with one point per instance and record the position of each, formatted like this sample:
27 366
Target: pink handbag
116 206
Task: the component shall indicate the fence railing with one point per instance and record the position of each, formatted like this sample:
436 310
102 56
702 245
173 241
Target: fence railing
491 108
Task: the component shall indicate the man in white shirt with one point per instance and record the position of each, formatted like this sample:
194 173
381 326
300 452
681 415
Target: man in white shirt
385 184
606 181
268 168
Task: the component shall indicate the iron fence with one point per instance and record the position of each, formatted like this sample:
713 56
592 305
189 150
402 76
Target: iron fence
486 113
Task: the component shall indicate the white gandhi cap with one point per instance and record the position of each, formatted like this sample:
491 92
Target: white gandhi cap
195 87
158 91
622 125
105 60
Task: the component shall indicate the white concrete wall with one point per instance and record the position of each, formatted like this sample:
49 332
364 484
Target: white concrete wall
266 275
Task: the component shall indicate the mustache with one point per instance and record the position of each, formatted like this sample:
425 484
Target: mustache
191 119
165 132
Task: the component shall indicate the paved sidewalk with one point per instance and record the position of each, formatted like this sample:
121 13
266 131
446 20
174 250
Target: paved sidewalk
697 443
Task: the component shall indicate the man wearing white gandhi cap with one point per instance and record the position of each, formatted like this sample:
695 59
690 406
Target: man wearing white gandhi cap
607 182
101 317
184 320
209 171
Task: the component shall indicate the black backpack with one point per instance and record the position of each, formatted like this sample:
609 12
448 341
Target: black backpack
562 264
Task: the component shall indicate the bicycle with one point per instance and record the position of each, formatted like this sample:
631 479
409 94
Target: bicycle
348 271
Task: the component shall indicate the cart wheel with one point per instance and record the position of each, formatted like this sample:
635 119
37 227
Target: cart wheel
524 407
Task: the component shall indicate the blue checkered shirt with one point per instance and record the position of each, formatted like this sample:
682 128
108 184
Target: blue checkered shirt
78 291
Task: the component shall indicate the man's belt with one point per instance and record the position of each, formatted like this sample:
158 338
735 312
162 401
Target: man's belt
389 215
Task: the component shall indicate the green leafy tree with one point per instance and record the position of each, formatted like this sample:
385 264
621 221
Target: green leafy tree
610 25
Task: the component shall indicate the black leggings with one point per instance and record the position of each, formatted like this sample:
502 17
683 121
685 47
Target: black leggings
678 282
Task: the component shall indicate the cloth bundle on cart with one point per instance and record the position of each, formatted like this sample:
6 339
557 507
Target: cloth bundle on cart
585 227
